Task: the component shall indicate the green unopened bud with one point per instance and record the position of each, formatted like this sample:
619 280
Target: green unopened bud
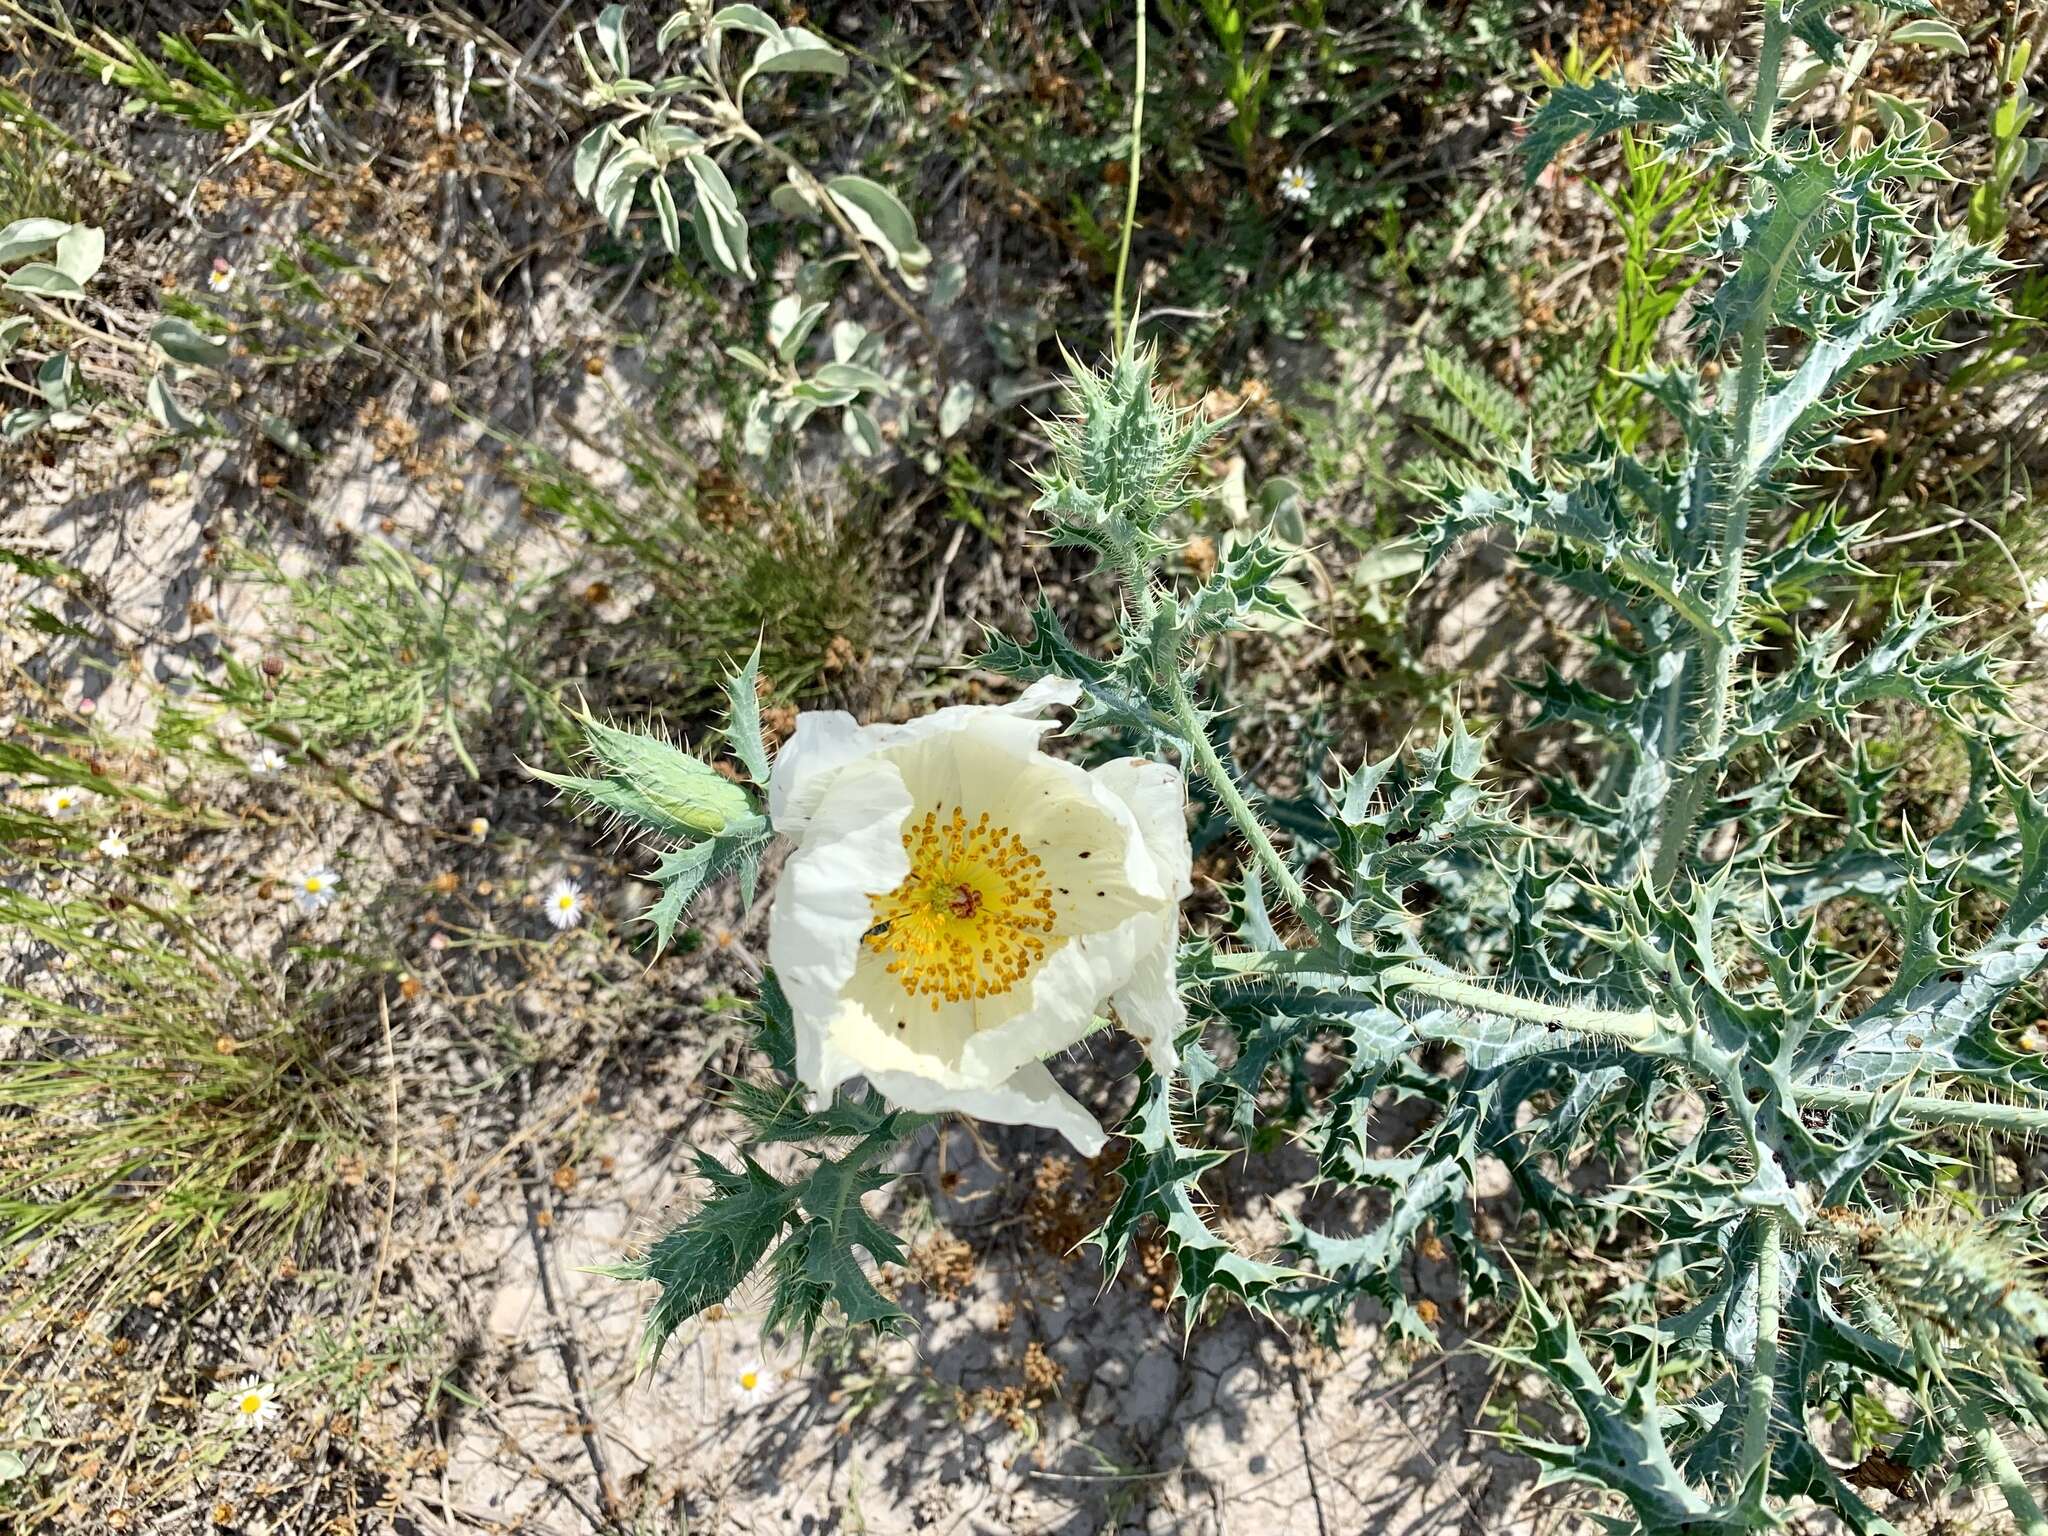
1123 450
683 788
656 785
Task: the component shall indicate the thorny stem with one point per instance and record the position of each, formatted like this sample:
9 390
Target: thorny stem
1633 1027
1763 1374
1713 658
1117 339
2020 1119
2019 1499
1636 1029
1166 673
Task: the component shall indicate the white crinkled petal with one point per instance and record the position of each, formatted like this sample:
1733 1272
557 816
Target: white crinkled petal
1149 1004
1029 1096
852 846
825 741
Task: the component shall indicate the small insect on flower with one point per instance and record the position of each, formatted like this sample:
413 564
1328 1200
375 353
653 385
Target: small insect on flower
222 277
1297 184
254 1403
267 762
111 847
315 888
565 904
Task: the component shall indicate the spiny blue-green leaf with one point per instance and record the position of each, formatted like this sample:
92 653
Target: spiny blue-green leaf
1953 275
1938 1020
742 728
684 872
706 1258
1623 1449
1689 101
1242 586
1961 687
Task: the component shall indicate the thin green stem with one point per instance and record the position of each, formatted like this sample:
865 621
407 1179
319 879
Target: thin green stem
1117 339
1204 753
1187 719
1752 1470
2019 1499
1770 59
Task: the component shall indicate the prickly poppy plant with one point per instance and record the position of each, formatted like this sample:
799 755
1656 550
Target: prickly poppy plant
1640 969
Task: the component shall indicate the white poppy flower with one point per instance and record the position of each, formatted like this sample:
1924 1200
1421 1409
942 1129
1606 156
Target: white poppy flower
960 904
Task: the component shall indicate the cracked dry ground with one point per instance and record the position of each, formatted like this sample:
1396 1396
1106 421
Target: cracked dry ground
1030 1397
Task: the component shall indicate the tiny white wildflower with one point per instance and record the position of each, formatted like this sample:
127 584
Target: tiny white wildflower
754 1378
254 1403
316 888
111 847
267 762
479 828
2033 1041
2037 605
565 904
63 800
1297 184
222 277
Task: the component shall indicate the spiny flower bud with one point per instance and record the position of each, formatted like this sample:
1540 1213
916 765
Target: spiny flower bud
656 785
1123 450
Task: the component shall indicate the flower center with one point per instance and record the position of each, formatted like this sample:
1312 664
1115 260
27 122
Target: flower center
252 1402
972 917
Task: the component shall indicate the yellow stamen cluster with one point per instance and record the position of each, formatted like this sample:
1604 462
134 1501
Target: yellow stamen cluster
972 917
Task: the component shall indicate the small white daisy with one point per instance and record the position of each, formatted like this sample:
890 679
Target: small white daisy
111 847
1297 184
222 277
754 1379
254 1403
479 829
316 888
63 800
267 762
2033 1041
565 904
